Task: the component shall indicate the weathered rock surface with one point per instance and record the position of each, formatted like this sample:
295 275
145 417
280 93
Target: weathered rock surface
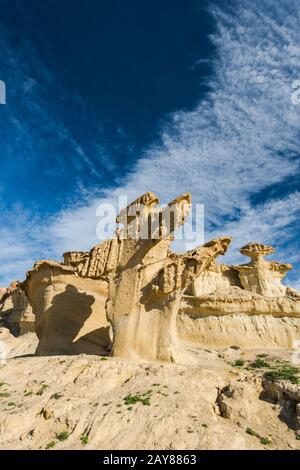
287 396
140 279
244 305
15 310
136 284
69 310
203 404
247 331
261 276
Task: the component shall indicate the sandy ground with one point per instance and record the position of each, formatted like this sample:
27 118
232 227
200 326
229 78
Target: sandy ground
79 402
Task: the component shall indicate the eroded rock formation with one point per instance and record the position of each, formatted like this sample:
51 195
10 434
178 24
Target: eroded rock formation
146 280
15 310
149 295
69 310
261 276
246 305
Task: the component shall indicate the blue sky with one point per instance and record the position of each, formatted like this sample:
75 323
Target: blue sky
112 97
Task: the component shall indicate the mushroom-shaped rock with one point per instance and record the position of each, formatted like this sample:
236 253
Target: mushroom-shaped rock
261 276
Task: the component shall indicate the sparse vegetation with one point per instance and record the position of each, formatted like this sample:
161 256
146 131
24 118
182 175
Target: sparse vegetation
204 425
50 445
103 358
283 371
133 399
259 363
238 363
56 396
252 432
11 403
28 394
298 437
3 383
265 441
84 439
4 395
63 436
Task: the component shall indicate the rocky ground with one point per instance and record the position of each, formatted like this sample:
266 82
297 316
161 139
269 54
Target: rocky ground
217 401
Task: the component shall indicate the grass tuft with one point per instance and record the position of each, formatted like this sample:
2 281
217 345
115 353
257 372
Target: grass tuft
284 372
238 363
265 441
63 436
259 363
84 439
50 445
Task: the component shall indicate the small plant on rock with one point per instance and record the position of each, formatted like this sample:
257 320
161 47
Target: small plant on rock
252 432
284 372
259 363
63 436
239 363
84 439
265 441
50 444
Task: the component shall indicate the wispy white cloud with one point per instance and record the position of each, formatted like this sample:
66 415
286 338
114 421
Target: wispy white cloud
237 143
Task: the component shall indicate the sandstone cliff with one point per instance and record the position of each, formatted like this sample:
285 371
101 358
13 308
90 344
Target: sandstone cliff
133 297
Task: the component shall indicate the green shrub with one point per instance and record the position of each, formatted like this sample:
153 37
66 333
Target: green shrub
50 444
133 399
63 436
251 432
239 363
84 439
265 441
284 372
259 363
4 395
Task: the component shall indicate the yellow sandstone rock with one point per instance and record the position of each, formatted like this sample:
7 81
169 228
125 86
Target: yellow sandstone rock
156 300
